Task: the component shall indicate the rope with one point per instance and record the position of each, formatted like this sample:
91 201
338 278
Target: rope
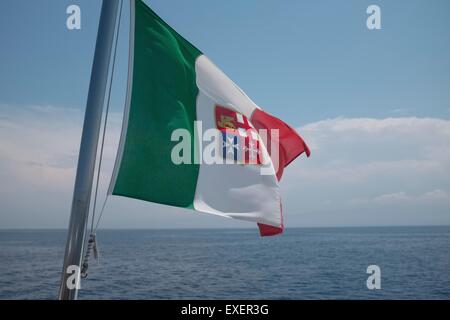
92 243
106 119
100 216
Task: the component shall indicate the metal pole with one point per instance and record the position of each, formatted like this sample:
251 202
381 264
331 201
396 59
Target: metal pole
88 151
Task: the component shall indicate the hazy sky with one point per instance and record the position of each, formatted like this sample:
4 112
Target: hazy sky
374 106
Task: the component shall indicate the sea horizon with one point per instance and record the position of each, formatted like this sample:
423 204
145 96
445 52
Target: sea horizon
232 228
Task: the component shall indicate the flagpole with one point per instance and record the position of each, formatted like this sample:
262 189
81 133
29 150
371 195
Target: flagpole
88 151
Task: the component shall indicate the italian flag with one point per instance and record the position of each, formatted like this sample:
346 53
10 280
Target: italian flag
173 86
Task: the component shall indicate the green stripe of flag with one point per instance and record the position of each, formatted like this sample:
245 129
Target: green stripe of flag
163 99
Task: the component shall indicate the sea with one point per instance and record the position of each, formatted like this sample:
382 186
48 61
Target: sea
304 263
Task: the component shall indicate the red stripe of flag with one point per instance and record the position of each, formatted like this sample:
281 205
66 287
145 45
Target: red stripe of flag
291 145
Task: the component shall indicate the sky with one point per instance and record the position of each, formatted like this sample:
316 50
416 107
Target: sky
374 106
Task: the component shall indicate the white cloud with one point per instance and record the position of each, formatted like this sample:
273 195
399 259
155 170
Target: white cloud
398 111
357 165
371 125
434 197
391 198
39 144
38 153
356 149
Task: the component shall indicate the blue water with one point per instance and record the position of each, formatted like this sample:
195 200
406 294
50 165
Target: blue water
328 263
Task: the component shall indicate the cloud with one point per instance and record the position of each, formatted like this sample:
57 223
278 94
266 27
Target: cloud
38 153
357 149
391 198
398 111
433 197
358 165
39 144
371 125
